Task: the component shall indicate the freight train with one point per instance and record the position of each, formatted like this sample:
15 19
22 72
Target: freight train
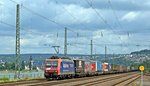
58 68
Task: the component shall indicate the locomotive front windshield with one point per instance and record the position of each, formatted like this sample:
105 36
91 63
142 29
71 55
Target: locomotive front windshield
51 64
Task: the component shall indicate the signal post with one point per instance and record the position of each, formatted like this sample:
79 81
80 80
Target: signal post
141 69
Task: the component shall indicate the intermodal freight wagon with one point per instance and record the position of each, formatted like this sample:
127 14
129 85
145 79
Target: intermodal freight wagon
79 68
105 67
87 68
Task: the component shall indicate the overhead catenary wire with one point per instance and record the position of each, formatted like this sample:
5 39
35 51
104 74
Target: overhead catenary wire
66 10
100 16
7 24
78 33
44 17
22 28
40 16
111 6
13 27
110 3
117 19
35 13
75 18
72 15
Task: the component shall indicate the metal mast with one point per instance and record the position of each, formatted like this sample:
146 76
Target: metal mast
105 52
17 66
65 43
91 49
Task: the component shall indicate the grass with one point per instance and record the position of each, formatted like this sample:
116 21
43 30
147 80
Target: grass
25 77
147 70
4 79
13 71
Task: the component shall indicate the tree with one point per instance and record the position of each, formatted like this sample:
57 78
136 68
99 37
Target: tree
12 66
30 63
22 65
34 67
6 65
1 67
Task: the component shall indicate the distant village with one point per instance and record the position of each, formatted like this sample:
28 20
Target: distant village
24 65
138 57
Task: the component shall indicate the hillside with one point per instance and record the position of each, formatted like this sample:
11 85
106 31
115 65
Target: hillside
141 52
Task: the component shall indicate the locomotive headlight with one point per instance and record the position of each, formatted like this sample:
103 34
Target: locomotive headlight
48 68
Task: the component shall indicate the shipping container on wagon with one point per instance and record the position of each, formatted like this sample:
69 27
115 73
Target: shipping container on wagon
132 68
120 68
124 68
93 66
98 66
128 68
105 67
67 67
87 67
79 66
109 67
113 67
116 68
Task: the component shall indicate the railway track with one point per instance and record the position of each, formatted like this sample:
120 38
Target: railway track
59 82
69 82
105 82
93 81
127 81
38 82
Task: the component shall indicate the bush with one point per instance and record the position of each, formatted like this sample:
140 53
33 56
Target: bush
4 79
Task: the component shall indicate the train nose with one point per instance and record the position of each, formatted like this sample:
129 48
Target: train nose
51 70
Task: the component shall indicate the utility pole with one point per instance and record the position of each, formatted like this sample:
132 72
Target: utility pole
105 52
113 57
65 43
95 53
17 66
91 49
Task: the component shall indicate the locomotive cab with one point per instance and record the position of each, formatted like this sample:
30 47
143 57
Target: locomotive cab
51 68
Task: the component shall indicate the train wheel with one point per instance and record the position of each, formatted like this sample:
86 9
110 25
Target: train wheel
48 79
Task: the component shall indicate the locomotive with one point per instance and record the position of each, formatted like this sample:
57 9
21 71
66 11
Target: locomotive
59 68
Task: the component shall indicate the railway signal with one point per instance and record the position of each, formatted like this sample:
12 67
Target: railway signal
141 69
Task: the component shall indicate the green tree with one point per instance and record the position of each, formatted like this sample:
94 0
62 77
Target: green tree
6 65
1 67
22 65
34 67
12 66
30 63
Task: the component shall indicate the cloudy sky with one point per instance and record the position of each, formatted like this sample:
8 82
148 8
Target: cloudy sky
121 25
